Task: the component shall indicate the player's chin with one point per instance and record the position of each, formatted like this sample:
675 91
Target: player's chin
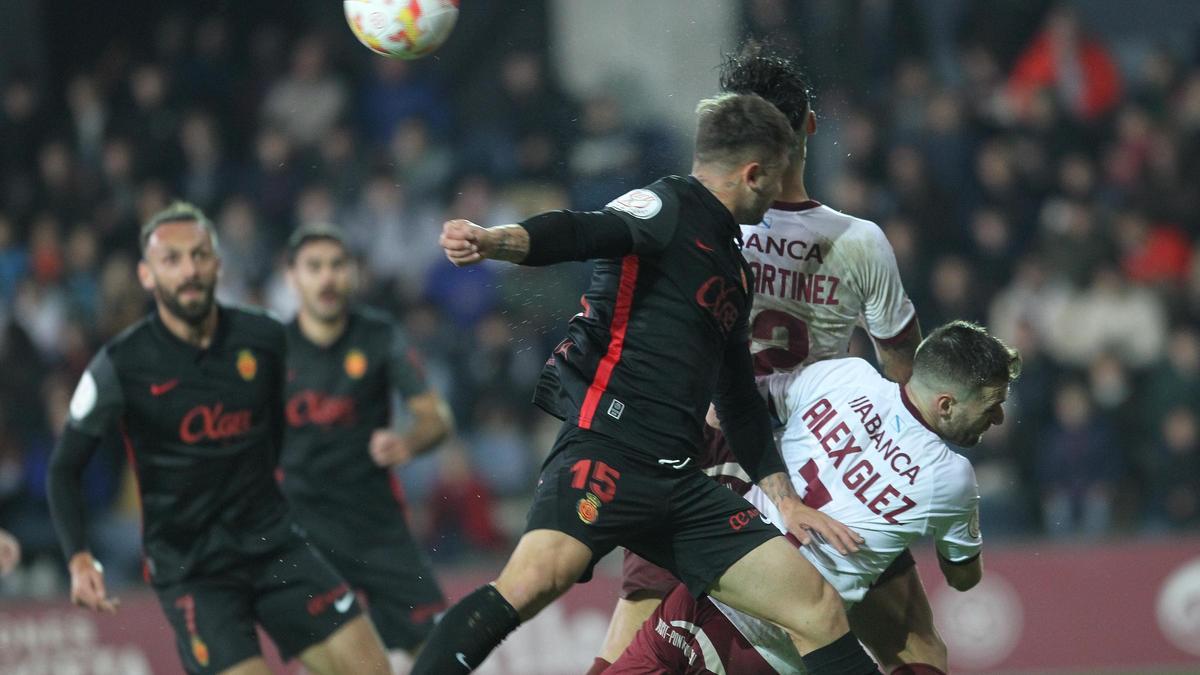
332 313
972 441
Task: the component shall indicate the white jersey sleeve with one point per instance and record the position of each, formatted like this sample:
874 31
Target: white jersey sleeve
954 517
887 309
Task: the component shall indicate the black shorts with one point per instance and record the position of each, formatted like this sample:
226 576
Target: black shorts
605 494
392 578
293 594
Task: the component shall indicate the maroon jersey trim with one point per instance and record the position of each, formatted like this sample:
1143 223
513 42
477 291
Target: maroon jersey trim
912 409
903 333
796 206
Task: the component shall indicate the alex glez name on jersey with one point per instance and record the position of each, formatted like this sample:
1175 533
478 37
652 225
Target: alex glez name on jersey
859 473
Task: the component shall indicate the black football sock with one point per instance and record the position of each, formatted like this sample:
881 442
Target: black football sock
467 633
843 656
917 669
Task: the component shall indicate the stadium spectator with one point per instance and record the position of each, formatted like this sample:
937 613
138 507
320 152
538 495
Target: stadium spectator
1173 488
1079 466
396 92
1174 380
462 511
1085 326
1067 63
306 103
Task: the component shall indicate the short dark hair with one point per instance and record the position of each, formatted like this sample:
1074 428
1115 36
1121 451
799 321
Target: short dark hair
964 354
758 69
177 212
737 128
313 232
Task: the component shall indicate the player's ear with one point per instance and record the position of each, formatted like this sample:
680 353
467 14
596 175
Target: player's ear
356 274
752 174
145 276
289 273
810 124
945 404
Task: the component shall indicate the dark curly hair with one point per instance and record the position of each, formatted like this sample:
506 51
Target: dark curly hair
758 69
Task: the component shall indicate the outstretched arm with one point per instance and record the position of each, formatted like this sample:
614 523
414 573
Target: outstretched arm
545 239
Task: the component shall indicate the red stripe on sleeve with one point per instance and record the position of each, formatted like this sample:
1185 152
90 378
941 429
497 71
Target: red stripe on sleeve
616 342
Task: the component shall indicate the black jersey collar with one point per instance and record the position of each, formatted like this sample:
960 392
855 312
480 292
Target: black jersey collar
351 319
173 339
710 201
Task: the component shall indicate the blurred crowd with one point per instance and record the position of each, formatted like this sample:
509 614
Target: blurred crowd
1026 177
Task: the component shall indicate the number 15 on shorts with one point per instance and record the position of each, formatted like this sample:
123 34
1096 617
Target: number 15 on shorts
603 481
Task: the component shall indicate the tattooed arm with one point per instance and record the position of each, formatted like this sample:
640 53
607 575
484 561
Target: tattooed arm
803 521
545 239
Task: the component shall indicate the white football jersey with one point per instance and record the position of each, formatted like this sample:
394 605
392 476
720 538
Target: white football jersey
817 273
857 450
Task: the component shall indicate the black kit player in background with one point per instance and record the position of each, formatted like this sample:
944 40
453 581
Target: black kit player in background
196 391
664 332
343 365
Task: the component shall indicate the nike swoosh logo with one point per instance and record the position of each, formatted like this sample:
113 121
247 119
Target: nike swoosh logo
675 463
703 246
160 389
765 519
462 659
342 604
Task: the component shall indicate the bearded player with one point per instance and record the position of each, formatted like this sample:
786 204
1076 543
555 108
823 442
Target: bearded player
196 391
344 365
817 274
877 456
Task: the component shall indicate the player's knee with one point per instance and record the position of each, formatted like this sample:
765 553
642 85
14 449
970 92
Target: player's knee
831 611
926 646
819 621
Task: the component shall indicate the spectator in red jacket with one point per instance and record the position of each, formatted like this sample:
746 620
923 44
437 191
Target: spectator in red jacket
1064 60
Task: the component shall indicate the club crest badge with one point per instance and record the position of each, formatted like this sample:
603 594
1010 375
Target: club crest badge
199 651
589 509
247 365
355 364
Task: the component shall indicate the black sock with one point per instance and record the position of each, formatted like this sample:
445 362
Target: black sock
843 656
467 633
917 669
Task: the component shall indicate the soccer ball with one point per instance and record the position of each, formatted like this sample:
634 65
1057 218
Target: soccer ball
401 29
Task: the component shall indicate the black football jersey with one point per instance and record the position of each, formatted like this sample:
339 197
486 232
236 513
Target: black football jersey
336 397
641 362
202 430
